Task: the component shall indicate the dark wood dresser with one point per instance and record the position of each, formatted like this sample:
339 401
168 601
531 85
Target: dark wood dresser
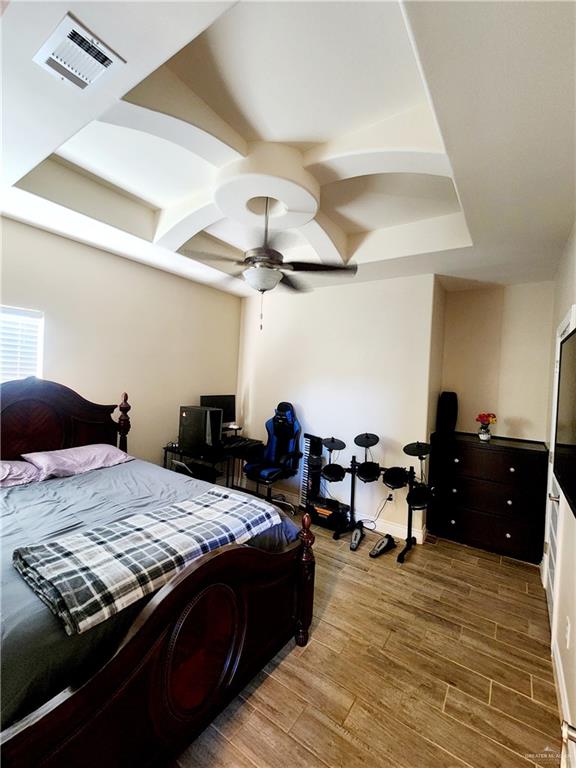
489 495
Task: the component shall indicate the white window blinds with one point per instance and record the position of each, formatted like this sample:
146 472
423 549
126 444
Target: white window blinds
21 338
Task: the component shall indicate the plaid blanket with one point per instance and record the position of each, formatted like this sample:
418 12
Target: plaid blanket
84 578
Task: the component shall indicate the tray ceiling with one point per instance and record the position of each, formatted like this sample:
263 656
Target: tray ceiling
382 132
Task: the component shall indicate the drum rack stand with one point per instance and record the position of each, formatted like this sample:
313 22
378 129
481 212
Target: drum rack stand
410 540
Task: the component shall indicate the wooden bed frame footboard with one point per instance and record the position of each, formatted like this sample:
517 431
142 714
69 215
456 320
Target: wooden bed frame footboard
190 651
193 647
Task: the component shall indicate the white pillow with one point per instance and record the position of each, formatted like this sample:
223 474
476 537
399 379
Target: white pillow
75 461
18 473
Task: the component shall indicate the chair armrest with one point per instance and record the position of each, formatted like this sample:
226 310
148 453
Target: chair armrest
291 455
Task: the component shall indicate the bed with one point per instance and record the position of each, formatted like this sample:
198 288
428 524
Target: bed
139 687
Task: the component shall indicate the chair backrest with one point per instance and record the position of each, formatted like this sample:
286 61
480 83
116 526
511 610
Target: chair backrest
283 436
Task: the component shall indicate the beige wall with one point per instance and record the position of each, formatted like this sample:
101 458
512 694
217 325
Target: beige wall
564 297
497 351
351 358
437 336
114 325
565 283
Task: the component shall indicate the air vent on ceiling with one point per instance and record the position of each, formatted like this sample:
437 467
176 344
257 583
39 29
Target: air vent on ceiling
73 53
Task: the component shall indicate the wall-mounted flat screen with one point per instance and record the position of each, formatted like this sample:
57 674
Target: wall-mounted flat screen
565 443
226 402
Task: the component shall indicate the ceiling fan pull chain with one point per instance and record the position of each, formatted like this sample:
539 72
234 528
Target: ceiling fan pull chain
261 309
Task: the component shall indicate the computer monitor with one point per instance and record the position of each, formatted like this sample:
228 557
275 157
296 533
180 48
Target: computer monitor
200 430
226 402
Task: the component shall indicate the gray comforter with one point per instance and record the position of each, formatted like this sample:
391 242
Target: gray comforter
38 659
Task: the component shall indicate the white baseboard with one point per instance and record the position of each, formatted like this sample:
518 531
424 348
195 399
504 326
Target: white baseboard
398 530
561 685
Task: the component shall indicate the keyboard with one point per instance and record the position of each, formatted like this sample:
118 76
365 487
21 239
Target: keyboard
240 442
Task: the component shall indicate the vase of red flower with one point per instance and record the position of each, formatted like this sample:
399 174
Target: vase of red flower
486 420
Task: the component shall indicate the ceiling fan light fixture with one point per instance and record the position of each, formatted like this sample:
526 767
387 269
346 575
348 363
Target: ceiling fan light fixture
262 279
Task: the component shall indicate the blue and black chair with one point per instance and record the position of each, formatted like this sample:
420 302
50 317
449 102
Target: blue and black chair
281 456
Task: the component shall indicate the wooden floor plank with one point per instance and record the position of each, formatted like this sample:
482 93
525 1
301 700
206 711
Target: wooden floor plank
525 642
545 693
504 729
511 655
335 744
390 738
212 750
487 579
489 608
458 739
523 708
539 630
445 545
531 600
280 704
369 672
267 746
233 717
474 658
441 667
456 610
328 635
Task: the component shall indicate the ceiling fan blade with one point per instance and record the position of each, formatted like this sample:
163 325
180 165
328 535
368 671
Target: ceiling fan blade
291 285
205 256
308 266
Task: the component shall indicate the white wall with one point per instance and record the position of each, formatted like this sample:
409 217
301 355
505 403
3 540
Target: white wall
564 297
497 352
437 339
351 358
113 325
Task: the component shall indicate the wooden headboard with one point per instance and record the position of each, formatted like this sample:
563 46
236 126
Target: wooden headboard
40 415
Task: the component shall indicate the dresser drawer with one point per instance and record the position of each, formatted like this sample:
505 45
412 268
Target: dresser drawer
513 468
518 500
506 536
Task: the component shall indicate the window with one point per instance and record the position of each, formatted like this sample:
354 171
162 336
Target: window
21 340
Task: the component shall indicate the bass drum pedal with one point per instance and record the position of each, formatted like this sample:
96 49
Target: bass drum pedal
385 544
357 536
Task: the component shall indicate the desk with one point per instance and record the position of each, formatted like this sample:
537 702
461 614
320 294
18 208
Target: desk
231 455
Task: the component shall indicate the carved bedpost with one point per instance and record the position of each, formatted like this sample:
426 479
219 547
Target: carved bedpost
123 423
305 582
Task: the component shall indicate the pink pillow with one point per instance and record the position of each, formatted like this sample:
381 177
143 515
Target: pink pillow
18 473
75 461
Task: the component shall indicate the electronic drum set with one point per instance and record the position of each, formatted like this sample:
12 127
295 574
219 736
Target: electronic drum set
369 471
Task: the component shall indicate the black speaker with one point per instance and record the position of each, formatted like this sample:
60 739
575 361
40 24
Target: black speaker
447 413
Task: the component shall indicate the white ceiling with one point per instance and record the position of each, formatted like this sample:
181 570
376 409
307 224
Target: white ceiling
303 73
40 111
116 154
364 203
502 78
416 138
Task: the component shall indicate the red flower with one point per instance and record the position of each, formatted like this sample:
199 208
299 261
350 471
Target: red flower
486 419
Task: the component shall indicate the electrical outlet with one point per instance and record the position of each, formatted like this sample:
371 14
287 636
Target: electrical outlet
567 633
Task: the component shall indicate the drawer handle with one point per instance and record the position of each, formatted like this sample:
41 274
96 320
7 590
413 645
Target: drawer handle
508 536
452 522
512 469
456 461
454 490
554 498
509 502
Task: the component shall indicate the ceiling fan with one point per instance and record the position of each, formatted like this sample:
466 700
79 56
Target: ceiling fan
264 268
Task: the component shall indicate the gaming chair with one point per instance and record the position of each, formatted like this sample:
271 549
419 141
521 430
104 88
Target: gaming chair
281 456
